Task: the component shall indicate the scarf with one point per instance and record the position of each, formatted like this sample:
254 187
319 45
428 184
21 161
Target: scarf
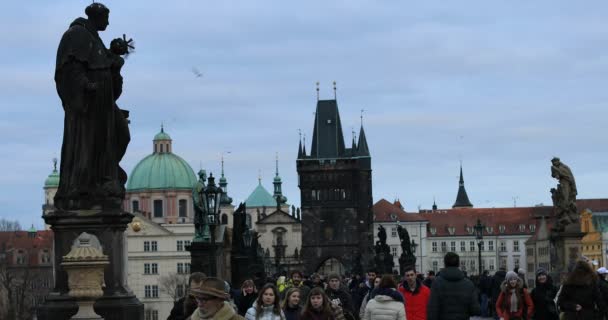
514 308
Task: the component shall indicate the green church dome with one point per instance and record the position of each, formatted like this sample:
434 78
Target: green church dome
161 171
260 197
52 181
162 135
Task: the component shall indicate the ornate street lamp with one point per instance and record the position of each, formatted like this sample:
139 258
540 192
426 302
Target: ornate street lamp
479 236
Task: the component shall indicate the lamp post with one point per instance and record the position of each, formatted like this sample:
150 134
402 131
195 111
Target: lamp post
203 249
479 236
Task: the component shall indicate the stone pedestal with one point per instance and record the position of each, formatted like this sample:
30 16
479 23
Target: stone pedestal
117 302
406 261
205 257
565 250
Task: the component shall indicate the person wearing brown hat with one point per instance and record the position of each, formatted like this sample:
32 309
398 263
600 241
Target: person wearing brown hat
212 302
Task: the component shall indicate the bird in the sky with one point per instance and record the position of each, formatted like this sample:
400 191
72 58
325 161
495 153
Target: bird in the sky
197 73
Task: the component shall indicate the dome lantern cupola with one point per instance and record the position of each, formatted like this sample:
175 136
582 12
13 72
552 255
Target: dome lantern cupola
162 142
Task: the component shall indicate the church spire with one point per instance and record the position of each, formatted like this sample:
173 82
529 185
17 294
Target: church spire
362 149
462 199
278 192
225 199
300 153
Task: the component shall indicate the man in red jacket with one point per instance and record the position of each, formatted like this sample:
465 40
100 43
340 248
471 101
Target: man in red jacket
416 295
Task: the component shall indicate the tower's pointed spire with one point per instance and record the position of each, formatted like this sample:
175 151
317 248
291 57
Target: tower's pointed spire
362 148
462 199
300 155
225 199
304 146
434 205
353 147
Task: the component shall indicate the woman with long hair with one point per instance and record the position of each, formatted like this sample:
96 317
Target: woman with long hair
514 299
291 304
543 295
247 296
266 306
580 296
387 304
318 307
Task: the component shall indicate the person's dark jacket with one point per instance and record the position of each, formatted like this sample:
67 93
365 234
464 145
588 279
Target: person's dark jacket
543 296
292 313
179 312
245 302
497 280
362 290
485 285
584 293
345 301
428 282
603 285
453 297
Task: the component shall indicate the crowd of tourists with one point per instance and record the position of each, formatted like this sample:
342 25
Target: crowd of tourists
449 295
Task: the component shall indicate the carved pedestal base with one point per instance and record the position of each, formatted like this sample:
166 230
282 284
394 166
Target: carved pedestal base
86 312
565 250
118 302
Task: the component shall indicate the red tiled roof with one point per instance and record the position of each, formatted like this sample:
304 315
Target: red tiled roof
384 209
461 218
21 240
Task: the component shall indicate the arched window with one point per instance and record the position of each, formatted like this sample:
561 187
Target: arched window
134 206
224 218
183 207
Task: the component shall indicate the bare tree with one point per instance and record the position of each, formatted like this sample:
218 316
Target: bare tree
171 284
16 284
7 225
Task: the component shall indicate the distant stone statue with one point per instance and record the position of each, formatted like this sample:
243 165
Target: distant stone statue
95 133
406 245
564 195
382 235
200 220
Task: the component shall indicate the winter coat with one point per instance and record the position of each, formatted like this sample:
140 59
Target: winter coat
497 280
267 314
342 299
182 309
225 313
543 296
603 285
363 291
244 302
585 294
337 314
428 282
525 304
453 297
366 299
416 300
485 285
383 307
292 313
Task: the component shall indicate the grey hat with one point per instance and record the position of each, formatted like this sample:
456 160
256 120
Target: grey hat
511 276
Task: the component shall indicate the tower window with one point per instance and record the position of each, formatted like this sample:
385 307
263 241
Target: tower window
135 205
183 207
224 218
161 148
158 208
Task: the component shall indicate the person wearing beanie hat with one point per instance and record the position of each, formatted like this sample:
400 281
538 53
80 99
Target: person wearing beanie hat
212 301
543 296
338 296
514 299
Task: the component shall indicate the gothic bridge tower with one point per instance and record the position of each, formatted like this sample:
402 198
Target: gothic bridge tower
336 193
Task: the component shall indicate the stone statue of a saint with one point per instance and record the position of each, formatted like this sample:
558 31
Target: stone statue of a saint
200 220
405 241
382 235
564 195
96 133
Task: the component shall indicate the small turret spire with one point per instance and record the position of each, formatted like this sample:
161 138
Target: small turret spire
278 192
434 204
300 144
259 176
335 92
54 164
317 90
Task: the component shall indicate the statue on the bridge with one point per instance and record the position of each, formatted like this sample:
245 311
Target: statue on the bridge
382 235
406 245
95 133
201 227
564 196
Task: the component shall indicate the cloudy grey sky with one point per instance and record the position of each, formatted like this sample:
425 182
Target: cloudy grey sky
501 85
